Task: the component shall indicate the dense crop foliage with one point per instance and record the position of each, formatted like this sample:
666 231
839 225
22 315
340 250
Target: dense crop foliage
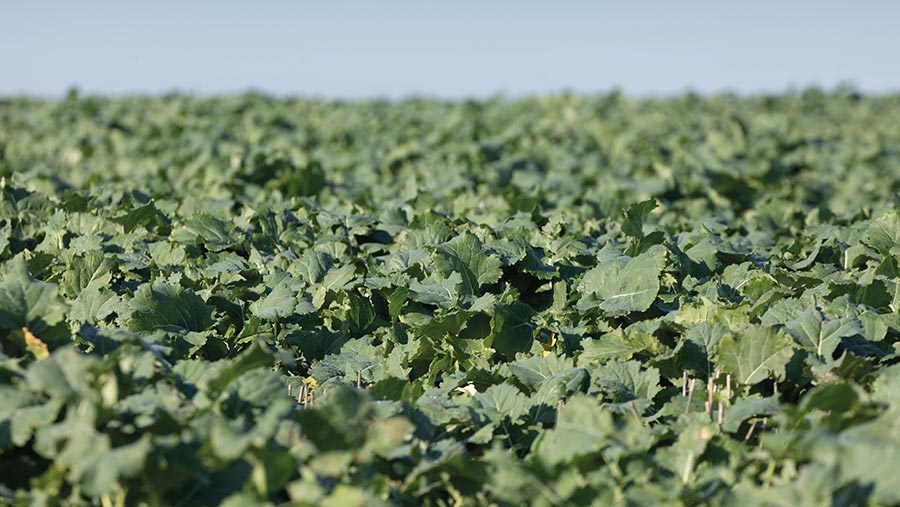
553 301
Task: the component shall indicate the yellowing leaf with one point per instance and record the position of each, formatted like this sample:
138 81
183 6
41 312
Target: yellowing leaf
34 345
467 389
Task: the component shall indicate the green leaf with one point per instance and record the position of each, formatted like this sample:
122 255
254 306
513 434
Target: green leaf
868 454
396 300
20 413
281 303
91 268
532 372
820 336
444 294
93 305
683 458
512 329
831 398
164 304
465 255
308 179
623 285
635 215
63 375
613 345
886 387
166 254
314 265
626 381
29 303
360 315
213 233
500 401
584 428
140 215
256 356
229 440
337 278
89 456
699 347
101 472
278 304
884 233
338 420
745 408
754 354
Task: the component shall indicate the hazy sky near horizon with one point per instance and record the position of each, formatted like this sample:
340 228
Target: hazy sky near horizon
353 49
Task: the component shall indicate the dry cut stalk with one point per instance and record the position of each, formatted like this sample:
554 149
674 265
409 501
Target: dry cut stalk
721 415
687 408
301 393
750 431
728 386
684 383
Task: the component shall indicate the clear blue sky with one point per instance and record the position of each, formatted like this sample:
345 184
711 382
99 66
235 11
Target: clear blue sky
449 49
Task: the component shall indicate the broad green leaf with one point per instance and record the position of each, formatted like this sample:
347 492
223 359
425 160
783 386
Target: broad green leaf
396 300
500 401
626 381
140 215
633 225
511 482
314 265
623 285
821 336
361 313
745 408
163 304
229 440
63 375
534 370
833 398
93 304
444 294
869 456
465 255
683 458
281 303
884 233
584 428
886 388
256 356
699 347
29 303
91 268
166 254
21 414
754 354
212 232
616 344
338 420
337 278
512 329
